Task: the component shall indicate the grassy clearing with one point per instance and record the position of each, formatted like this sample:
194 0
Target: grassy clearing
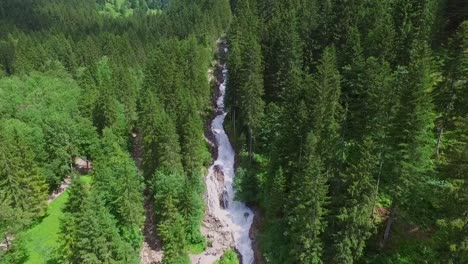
41 239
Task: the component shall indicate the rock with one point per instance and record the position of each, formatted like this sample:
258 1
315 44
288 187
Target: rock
253 234
224 199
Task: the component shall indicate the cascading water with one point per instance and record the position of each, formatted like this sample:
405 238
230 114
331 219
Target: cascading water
235 217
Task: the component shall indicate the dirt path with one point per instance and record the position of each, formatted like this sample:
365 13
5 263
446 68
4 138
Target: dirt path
60 190
81 166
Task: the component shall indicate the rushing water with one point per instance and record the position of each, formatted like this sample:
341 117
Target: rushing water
237 217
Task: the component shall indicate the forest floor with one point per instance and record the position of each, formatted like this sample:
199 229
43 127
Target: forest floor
41 240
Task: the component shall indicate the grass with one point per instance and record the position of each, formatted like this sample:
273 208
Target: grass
41 239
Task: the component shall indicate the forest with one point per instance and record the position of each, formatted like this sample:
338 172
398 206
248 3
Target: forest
90 79
349 120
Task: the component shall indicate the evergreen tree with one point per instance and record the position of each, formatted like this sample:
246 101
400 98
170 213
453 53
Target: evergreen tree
96 238
172 232
353 223
413 132
327 112
20 178
307 217
245 82
119 183
193 149
161 147
104 114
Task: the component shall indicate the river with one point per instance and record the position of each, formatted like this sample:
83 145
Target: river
235 217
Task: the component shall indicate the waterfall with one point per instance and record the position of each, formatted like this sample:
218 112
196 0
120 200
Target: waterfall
235 216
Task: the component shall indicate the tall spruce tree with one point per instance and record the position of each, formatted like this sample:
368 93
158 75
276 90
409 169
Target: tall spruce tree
307 216
353 223
412 135
160 141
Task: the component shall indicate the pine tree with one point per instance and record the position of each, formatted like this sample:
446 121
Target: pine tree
161 147
414 21
307 217
168 188
193 149
76 193
413 134
94 237
245 82
20 178
353 223
105 109
327 111
282 55
276 194
378 30
449 95
7 55
68 224
191 209
172 232
119 183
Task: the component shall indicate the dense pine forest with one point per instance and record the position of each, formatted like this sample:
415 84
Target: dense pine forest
349 120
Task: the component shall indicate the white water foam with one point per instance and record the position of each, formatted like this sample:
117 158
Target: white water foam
237 218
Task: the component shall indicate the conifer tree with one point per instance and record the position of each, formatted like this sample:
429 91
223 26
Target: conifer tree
412 134
161 147
353 223
119 183
307 216
192 146
245 90
97 238
327 111
104 114
20 178
172 232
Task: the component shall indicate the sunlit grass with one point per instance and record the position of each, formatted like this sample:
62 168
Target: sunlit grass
41 240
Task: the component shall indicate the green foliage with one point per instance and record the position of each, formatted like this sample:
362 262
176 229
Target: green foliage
306 219
76 80
349 111
229 257
161 148
17 252
168 188
354 93
22 185
352 224
40 241
90 235
45 107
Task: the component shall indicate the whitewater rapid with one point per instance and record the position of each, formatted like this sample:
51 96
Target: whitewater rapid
236 217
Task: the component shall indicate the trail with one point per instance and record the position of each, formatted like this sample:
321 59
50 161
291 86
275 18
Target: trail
81 166
227 222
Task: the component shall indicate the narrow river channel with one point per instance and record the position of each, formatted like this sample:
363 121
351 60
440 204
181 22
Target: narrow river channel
235 216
